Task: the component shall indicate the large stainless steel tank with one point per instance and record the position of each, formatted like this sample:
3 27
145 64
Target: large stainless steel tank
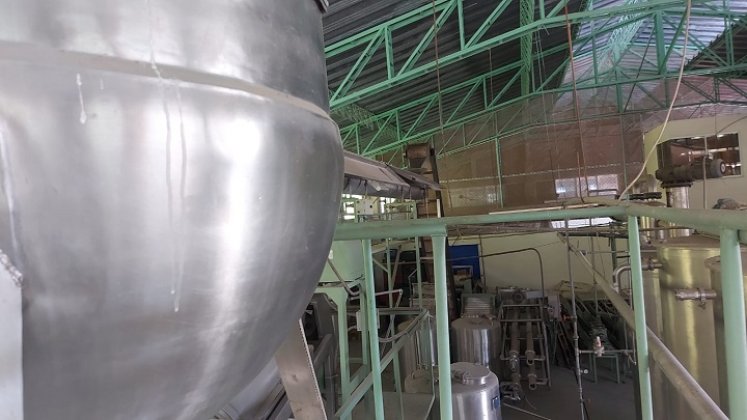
714 265
170 184
476 339
688 326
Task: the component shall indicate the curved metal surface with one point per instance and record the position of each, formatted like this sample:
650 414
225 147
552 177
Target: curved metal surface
687 326
171 182
477 340
475 392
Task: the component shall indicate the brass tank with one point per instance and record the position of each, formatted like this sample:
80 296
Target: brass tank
688 326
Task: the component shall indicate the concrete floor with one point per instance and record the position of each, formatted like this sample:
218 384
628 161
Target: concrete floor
606 400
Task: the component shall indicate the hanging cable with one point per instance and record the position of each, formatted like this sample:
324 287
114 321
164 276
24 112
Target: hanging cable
671 105
577 106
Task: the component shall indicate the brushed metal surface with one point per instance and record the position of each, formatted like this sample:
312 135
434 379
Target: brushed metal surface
170 184
688 328
714 266
475 392
476 339
298 376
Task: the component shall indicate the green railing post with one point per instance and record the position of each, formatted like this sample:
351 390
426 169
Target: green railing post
442 326
636 274
373 331
734 323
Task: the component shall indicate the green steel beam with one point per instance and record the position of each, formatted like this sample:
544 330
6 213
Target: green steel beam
427 39
526 17
617 23
559 90
641 342
553 19
732 284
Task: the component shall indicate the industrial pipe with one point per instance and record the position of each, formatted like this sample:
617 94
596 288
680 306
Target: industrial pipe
442 325
679 377
625 268
529 352
732 296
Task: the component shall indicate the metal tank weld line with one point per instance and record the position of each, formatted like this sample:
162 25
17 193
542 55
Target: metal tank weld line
37 54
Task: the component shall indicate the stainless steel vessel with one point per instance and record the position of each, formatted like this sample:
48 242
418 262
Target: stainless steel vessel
688 325
170 184
476 339
714 265
419 349
475 392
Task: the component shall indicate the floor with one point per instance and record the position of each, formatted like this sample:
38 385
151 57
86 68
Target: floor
605 400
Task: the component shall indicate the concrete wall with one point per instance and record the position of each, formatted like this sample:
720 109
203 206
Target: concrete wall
522 269
734 186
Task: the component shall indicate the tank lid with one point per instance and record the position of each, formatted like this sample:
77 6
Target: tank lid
714 263
470 373
477 322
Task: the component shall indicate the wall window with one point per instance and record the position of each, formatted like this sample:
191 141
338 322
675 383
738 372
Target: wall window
599 185
690 150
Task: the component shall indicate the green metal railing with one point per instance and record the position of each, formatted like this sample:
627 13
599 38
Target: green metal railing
731 226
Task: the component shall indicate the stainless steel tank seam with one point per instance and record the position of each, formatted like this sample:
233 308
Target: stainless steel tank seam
38 54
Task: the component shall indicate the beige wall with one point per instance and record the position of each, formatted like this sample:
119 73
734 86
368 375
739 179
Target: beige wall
522 269
733 187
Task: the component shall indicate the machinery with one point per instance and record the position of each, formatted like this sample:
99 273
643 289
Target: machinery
475 392
682 274
157 160
476 339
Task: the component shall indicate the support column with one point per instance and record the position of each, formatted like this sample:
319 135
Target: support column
442 326
734 323
373 332
639 306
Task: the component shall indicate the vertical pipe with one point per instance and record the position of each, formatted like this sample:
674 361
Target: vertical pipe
442 326
734 323
342 332
373 332
418 272
636 274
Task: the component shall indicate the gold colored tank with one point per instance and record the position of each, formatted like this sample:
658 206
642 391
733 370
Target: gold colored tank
688 326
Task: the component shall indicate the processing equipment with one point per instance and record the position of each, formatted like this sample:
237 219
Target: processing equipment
157 160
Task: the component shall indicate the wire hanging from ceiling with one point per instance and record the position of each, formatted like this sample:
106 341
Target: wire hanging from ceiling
671 105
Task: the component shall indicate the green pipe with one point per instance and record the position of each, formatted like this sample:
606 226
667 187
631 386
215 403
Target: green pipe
636 274
373 332
442 326
403 229
734 323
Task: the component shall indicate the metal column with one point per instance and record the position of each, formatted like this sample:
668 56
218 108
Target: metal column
373 331
442 326
636 274
734 323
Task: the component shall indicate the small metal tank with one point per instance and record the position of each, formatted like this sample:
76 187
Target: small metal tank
714 265
475 391
420 348
688 326
476 339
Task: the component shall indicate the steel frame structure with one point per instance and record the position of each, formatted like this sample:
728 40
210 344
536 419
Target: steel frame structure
610 34
731 227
